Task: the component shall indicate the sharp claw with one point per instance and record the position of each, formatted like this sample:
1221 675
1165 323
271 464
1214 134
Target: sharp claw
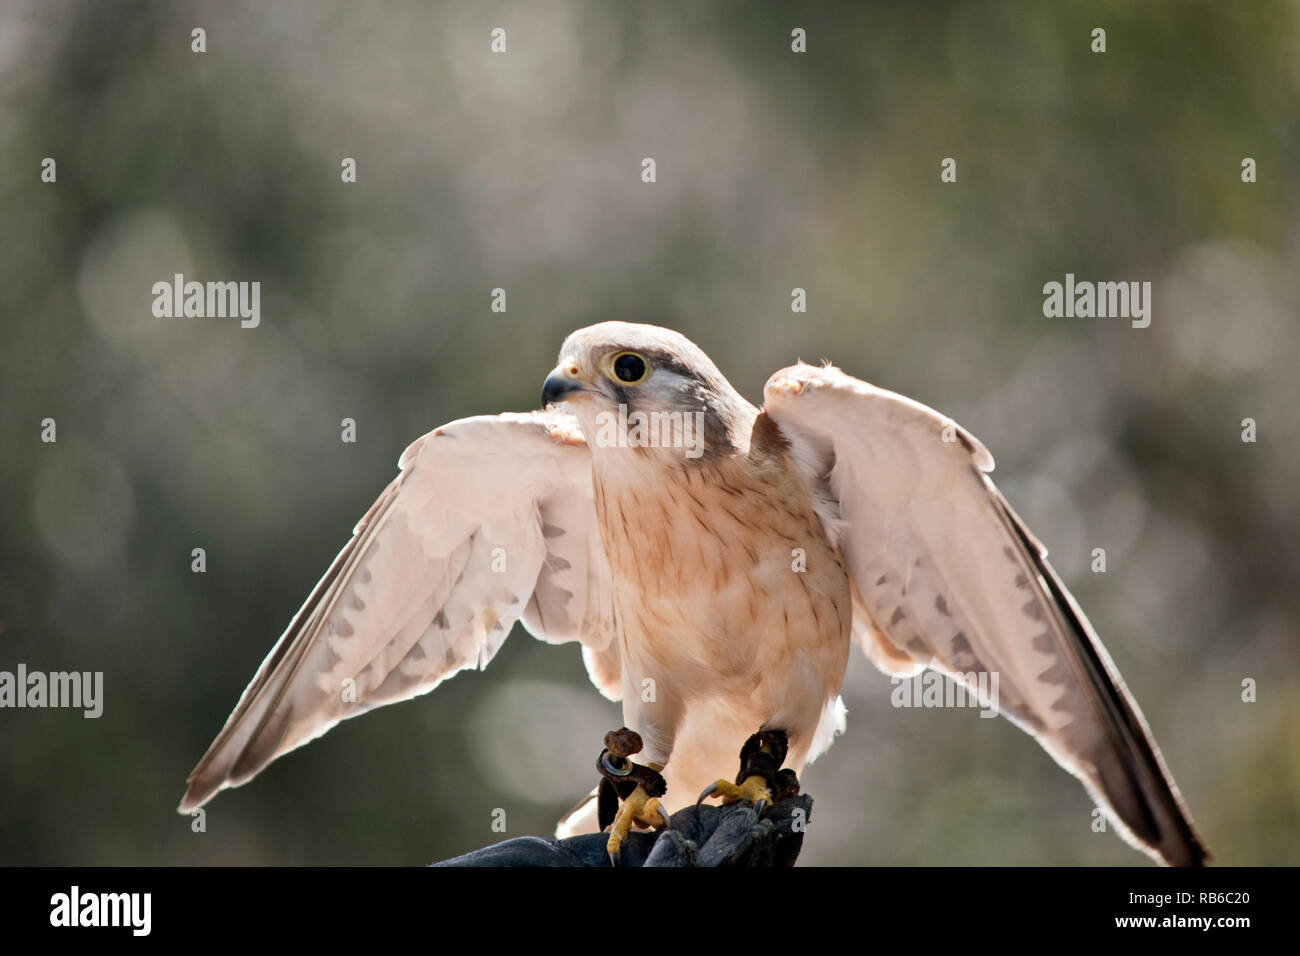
614 856
709 791
760 805
663 815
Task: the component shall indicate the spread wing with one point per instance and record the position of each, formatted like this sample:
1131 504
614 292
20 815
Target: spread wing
489 521
947 576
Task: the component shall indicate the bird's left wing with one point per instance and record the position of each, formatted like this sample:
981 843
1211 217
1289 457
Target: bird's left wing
946 575
489 521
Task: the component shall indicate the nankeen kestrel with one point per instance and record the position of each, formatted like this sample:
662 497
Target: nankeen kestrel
725 557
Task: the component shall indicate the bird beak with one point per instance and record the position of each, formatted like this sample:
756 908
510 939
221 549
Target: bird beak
559 386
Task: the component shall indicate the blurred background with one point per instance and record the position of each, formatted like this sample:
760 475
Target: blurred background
522 171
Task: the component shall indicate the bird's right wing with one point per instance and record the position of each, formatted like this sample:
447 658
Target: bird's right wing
489 521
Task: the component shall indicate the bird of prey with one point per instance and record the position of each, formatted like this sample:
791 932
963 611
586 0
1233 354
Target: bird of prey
716 562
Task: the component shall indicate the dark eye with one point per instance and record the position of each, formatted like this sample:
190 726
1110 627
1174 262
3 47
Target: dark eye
629 368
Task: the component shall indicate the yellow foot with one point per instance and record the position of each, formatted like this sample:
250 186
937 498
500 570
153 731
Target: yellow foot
640 809
753 791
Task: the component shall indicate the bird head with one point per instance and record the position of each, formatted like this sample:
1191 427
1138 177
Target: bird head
649 389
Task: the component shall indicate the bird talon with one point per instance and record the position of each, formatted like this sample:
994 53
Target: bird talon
639 809
665 821
753 791
709 791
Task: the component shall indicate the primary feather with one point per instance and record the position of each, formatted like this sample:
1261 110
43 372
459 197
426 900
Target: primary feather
947 576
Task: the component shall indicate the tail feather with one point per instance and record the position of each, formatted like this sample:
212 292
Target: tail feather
583 818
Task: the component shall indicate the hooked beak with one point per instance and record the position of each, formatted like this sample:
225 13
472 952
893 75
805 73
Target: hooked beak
559 386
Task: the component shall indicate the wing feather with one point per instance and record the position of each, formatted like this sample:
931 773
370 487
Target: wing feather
489 520
946 575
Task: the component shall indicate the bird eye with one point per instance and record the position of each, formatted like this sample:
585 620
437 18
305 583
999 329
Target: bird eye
629 368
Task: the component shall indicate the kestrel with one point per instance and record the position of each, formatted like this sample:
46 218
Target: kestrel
716 562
